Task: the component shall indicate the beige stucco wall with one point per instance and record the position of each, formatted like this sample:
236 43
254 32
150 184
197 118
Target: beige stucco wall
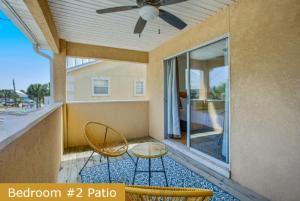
36 155
121 74
58 75
265 86
103 52
129 118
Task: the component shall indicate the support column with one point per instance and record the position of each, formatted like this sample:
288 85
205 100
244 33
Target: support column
59 75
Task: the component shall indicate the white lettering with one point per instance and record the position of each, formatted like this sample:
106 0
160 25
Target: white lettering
101 193
11 192
30 193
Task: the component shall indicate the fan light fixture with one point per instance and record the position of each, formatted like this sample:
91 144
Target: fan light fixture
149 12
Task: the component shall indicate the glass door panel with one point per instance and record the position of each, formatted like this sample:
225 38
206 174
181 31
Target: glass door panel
209 108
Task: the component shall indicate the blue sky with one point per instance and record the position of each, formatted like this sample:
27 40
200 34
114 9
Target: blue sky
18 60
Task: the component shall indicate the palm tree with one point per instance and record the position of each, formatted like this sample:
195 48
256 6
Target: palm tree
7 94
218 92
1 93
38 92
45 91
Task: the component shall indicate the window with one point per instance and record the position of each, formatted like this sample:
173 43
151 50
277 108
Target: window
104 80
218 77
205 86
75 62
100 86
139 87
196 86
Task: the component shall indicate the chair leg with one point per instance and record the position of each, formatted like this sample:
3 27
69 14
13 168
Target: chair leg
100 158
86 162
108 167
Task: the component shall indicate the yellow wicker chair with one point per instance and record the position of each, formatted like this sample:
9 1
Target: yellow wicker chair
153 193
105 141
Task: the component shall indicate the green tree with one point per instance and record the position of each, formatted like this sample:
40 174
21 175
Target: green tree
45 91
218 92
8 94
1 94
37 92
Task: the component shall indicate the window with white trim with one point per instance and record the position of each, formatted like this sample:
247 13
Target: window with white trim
100 86
139 87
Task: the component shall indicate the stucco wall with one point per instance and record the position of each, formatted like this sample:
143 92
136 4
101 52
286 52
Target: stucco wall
265 86
129 118
36 155
58 76
121 74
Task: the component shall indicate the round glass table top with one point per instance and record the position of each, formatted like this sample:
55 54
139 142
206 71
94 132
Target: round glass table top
149 150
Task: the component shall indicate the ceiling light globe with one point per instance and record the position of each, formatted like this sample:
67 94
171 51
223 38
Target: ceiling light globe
149 12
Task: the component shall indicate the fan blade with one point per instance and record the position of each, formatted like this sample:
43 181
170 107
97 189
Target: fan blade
169 2
116 9
172 19
140 25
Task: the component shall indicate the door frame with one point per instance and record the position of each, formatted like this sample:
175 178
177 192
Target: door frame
212 162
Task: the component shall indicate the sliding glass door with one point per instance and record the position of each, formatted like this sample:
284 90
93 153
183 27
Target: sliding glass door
197 100
209 103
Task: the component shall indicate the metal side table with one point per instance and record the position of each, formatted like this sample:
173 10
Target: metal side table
149 150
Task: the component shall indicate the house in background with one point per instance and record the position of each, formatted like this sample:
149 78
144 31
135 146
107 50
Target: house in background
26 102
97 80
15 99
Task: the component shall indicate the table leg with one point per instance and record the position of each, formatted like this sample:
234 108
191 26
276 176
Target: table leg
137 160
149 171
164 170
108 167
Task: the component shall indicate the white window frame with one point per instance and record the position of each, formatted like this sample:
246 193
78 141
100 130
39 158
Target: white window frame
102 79
134 88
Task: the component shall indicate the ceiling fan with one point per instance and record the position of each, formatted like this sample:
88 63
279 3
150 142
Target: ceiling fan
149 10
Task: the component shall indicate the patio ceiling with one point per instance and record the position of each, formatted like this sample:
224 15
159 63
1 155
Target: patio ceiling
78 22
17 11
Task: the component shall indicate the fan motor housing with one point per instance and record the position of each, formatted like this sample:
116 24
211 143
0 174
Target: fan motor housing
149 12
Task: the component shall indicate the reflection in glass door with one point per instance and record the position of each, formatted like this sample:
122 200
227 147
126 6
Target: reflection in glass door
209 108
